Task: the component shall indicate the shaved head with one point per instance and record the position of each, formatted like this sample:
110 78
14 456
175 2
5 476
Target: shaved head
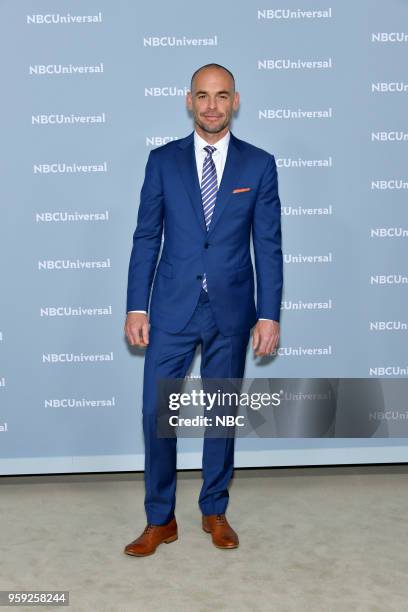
212 65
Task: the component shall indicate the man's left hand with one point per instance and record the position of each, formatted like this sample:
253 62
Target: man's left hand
266 337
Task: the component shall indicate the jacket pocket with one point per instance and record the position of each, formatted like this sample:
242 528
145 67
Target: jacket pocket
243 273
165 268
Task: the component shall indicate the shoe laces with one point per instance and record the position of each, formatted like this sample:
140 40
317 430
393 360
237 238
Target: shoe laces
220 518
148 528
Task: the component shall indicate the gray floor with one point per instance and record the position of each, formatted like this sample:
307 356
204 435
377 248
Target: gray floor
316 539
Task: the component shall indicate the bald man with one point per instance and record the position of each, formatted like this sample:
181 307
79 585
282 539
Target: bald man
209 192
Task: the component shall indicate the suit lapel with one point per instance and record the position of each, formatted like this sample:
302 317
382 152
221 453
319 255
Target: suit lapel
188 170
230 178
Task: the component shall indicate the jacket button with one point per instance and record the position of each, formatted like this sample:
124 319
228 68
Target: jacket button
199 276
206 245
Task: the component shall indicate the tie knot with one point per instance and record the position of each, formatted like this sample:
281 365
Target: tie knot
210 149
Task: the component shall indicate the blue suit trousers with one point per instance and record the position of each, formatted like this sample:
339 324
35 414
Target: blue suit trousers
169 355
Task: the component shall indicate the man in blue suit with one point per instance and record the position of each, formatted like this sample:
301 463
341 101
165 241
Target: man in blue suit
206 193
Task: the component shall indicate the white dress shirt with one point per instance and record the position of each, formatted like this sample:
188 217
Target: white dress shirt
219 156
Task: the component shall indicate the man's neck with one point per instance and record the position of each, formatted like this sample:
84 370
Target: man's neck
211 138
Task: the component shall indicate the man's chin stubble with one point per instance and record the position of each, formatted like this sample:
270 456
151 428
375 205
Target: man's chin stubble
212 130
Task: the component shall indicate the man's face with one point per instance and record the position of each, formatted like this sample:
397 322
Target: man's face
213 100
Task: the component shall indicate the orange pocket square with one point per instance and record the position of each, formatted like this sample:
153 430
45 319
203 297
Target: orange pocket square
241 189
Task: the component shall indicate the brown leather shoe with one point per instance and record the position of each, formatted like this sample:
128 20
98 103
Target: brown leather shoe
152 536
223 535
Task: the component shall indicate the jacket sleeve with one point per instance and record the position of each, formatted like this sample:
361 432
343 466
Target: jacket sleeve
267 242
147 238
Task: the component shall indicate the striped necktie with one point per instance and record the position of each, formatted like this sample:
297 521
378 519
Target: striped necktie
209 188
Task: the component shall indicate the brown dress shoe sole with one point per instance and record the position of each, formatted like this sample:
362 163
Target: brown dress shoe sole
227 546
172 538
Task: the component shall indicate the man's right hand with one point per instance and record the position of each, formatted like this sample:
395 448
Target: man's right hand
137 328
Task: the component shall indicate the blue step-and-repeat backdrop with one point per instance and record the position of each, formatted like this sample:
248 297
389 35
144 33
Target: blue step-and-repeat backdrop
88 88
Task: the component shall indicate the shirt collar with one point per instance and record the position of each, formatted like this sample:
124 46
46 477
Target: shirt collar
221 145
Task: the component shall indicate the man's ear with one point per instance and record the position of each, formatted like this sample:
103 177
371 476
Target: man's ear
236 102
189 101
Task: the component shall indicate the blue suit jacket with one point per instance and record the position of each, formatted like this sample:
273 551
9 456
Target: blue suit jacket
171 204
